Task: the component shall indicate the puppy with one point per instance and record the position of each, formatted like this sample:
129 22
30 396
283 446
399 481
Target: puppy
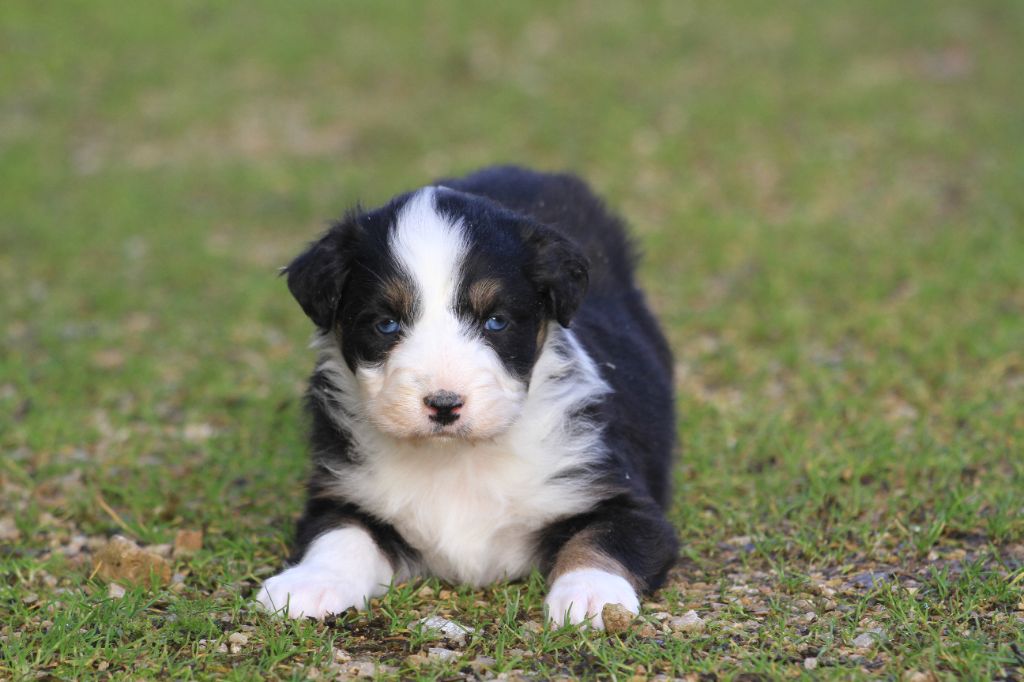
492 395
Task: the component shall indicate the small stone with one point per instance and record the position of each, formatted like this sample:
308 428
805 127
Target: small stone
867 640
341 656
441 654
102 665
115 591
360 668
187 542
482 664
222 648
30 598
872 579
449 630
123 560
197 433
647 631
808 617
688 622
109 358
237 642
426 592
810 663
533 627
617 618
918 676
9 530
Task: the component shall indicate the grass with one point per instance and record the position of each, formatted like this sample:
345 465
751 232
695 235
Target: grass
829 199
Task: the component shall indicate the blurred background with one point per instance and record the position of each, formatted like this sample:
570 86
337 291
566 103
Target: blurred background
828 195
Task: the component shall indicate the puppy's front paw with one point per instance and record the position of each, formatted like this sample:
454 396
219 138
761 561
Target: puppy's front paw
310 592
582 594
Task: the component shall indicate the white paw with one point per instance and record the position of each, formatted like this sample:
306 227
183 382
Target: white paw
310 592
341 569
582 594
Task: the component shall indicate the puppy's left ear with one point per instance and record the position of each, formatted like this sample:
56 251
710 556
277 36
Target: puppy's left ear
317 276
559 270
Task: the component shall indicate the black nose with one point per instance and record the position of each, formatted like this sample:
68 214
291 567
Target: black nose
444 405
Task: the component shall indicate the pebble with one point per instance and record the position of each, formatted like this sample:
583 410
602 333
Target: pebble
867 640
115 591
533 627
441 654
647 631
187 542
810 663
365 669
617 618
448 629
482 664
688 622
918 676
123 560
9 529
237 641
163 550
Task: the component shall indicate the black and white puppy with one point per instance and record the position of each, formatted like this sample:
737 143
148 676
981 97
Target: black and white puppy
461 428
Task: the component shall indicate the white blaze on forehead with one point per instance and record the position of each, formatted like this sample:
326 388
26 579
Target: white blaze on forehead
430 249
437 350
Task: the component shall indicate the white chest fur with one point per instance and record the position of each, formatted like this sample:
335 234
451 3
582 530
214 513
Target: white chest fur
471 513
473 509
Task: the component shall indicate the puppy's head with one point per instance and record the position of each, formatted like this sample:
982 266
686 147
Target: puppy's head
439 302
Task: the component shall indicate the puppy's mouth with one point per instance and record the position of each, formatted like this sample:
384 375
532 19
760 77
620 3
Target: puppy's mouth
450 430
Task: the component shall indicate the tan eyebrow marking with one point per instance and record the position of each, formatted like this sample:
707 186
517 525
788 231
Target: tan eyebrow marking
400 295
483 293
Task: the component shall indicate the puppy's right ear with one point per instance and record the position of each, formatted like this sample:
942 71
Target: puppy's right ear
317 277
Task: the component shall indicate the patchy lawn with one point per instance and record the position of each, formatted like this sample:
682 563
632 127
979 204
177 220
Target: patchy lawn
829 196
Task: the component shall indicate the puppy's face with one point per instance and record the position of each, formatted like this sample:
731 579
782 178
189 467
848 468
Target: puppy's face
439 301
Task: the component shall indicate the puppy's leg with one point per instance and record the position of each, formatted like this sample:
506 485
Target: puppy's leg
344 560
610 555
341 568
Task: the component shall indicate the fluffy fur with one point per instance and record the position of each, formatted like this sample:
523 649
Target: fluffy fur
460 426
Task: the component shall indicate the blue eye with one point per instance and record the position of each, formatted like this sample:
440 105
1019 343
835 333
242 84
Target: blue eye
388 326
495 324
